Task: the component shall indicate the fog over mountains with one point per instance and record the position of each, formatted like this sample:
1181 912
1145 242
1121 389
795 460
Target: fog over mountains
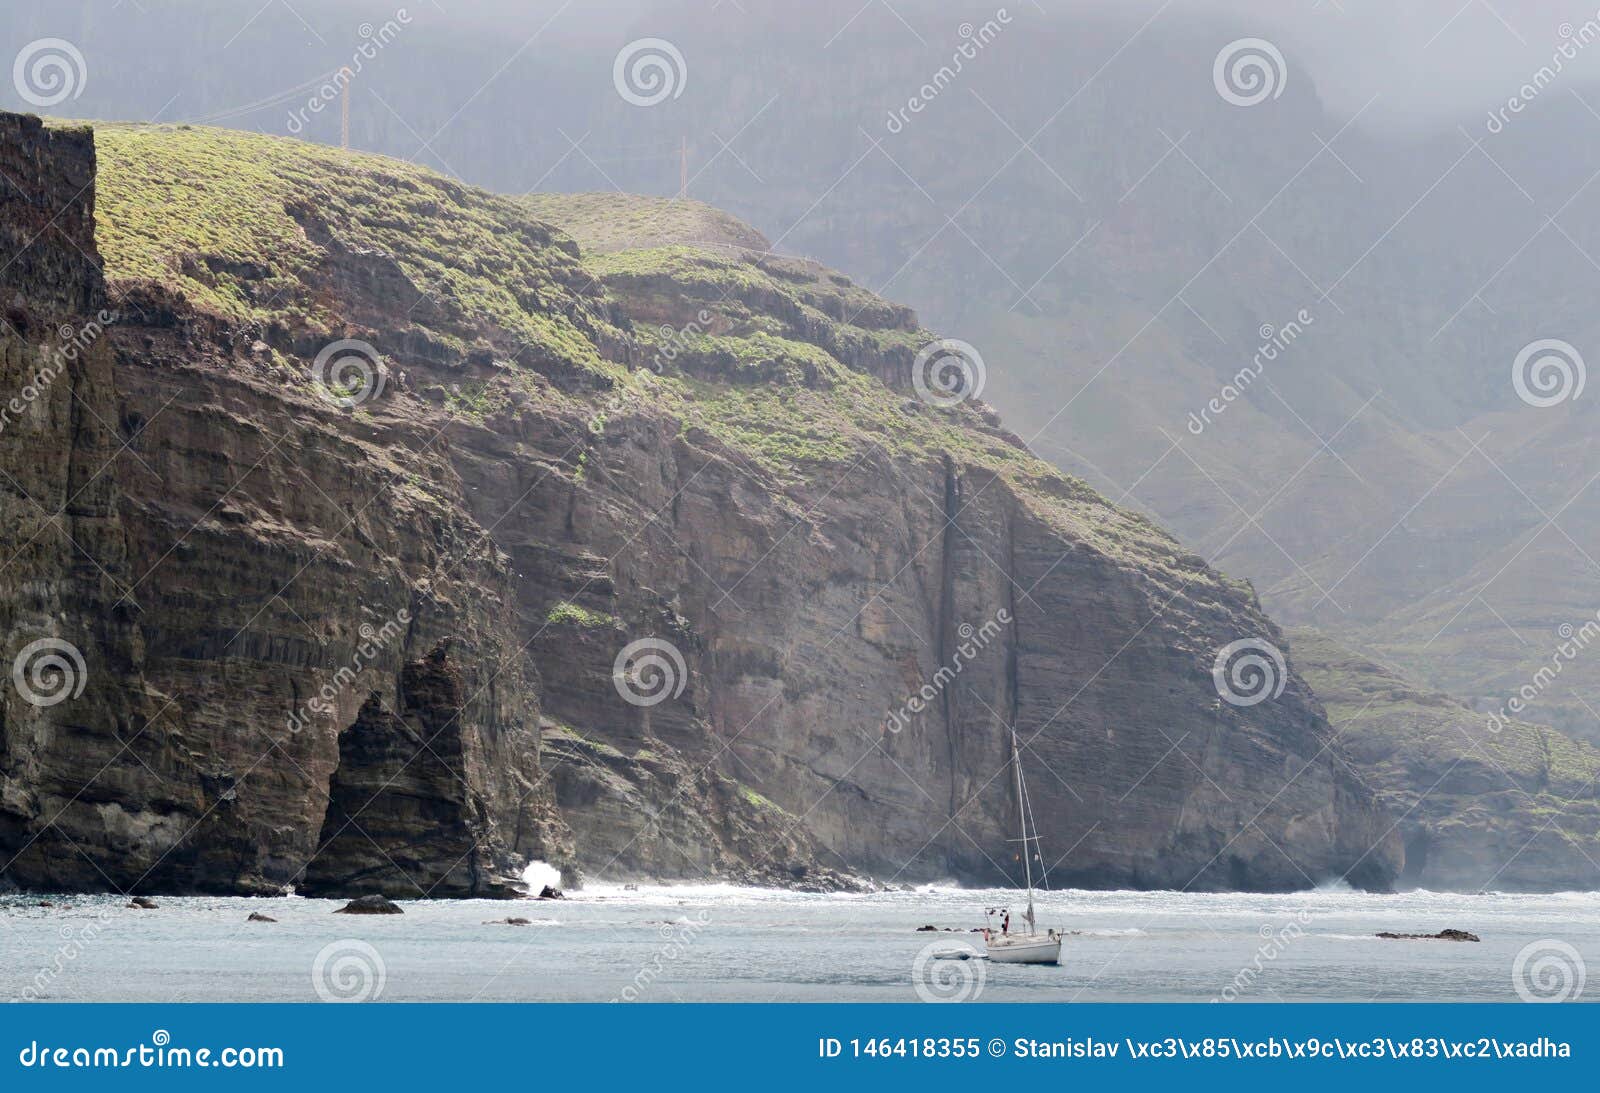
1324 315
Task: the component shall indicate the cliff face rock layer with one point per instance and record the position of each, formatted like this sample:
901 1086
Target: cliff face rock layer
362 620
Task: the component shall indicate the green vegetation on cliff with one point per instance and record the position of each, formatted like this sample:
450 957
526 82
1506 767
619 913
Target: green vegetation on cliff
578 615
247 226
617 221
805 373
799 372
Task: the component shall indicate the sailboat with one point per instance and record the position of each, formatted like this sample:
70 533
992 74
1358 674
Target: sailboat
1027 945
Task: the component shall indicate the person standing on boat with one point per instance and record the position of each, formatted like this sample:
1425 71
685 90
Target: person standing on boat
1005 923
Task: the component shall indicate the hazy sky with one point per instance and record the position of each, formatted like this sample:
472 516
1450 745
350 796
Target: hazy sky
1438 56
1445 55
1432 59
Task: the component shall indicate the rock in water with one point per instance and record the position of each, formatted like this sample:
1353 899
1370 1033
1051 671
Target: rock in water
257 916
548 892
369 905
1442 935
508 922
142 904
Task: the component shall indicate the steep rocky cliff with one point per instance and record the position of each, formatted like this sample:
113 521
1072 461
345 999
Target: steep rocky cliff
364 618
1482 802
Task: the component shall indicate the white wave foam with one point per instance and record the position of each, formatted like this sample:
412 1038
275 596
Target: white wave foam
538 874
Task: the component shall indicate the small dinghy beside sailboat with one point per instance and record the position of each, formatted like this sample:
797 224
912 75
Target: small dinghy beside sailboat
1026 945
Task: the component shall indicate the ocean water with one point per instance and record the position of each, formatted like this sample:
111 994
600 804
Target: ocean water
717 943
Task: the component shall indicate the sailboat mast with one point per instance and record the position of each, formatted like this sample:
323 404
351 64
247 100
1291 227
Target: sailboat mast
1022 824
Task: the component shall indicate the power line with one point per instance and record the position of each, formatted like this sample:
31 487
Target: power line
657 158
664 149
276 99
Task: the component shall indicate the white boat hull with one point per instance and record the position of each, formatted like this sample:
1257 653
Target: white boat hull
1025 949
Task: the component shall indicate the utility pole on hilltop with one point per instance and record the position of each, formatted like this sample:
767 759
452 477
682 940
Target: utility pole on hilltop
344 108
683 168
